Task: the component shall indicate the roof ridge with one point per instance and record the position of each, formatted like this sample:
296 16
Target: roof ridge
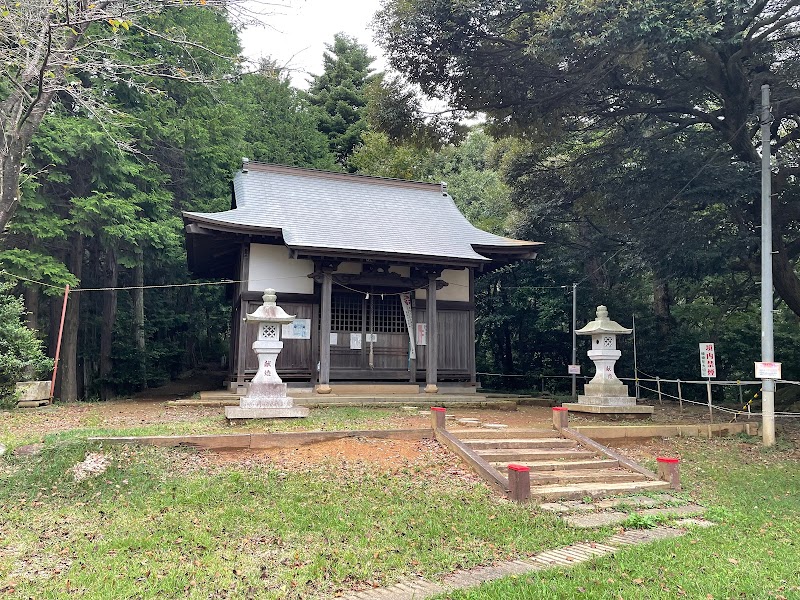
290 170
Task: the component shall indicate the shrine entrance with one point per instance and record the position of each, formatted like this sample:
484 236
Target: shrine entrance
369 336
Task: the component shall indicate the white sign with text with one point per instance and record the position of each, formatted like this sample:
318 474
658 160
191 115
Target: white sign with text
708 360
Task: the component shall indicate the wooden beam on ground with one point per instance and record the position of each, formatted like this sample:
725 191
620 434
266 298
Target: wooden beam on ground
486 471
598 447
291 440
264 440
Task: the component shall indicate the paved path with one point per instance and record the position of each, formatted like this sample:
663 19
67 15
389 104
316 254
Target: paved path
418 589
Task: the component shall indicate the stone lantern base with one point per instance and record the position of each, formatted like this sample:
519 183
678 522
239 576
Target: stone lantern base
266 400
634 410
609 398
239 412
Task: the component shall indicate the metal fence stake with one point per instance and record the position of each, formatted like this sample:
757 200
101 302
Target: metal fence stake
710 409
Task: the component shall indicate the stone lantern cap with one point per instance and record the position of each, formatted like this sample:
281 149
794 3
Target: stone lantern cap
270 312
602 324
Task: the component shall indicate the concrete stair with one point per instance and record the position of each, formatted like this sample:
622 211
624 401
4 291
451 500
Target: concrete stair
560 467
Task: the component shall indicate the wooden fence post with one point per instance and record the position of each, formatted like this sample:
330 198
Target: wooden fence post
519 482
560 417
437 417
669 471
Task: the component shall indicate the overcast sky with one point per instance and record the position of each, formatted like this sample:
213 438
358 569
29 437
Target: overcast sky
295 36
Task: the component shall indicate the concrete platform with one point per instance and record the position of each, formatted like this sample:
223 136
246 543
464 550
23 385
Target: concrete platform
640 410
371 401
237 412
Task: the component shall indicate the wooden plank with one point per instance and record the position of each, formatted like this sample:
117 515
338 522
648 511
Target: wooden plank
486 471
239 440
454 344
598 447
296 355
289 440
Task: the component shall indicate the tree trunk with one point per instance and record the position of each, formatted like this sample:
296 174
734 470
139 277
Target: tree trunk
138 319
662 299
108 318
10 162
68 369
31 295
18 131
784 277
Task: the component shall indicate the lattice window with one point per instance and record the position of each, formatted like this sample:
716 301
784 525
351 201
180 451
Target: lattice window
387 316
608 341
347 313
269 331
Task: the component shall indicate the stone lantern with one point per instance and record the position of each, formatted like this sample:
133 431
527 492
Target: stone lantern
605 393
266 397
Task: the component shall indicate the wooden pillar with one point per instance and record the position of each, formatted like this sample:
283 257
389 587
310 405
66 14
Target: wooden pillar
241 289
315 345
473 377
241 355
519 482
432 350
437 417
560 417
669 471
325 333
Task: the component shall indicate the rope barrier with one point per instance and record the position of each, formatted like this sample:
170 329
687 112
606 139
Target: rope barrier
154 286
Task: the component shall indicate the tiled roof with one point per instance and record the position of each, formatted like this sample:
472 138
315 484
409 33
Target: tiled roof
333 211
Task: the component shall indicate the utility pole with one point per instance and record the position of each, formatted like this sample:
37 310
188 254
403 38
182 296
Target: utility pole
635 362
574 340
767 300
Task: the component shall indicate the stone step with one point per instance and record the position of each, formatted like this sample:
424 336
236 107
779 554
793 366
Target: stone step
586 476
533 454
450 401
482 434
496 444
594 490
562 465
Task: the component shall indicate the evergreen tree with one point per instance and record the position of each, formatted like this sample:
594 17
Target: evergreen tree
20 351
340 93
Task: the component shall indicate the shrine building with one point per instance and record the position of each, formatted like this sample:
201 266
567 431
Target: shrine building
379 272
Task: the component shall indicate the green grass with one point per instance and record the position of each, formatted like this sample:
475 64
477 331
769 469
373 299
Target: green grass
166 523
752 552
20 427
177 523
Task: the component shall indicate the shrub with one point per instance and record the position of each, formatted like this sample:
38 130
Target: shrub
21 351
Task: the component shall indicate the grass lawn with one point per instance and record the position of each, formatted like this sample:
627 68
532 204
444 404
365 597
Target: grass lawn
176 523
753 551
82 420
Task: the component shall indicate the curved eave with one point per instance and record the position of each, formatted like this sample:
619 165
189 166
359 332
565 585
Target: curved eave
202 230
212 224
594 330
521 250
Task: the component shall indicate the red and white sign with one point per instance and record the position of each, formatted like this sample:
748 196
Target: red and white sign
574 369
768 370
708 361
422 334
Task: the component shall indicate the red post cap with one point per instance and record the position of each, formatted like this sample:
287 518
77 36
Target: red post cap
560 408
438 408
521 468
664 459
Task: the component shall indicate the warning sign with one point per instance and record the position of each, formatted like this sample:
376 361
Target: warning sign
708 360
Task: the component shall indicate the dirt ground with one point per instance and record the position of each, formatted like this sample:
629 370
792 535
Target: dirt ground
150 408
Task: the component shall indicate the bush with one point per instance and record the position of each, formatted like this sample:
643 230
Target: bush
21 352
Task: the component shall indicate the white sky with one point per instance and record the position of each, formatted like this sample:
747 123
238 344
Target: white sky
295 36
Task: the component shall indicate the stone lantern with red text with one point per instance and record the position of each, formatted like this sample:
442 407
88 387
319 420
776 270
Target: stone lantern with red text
266 396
